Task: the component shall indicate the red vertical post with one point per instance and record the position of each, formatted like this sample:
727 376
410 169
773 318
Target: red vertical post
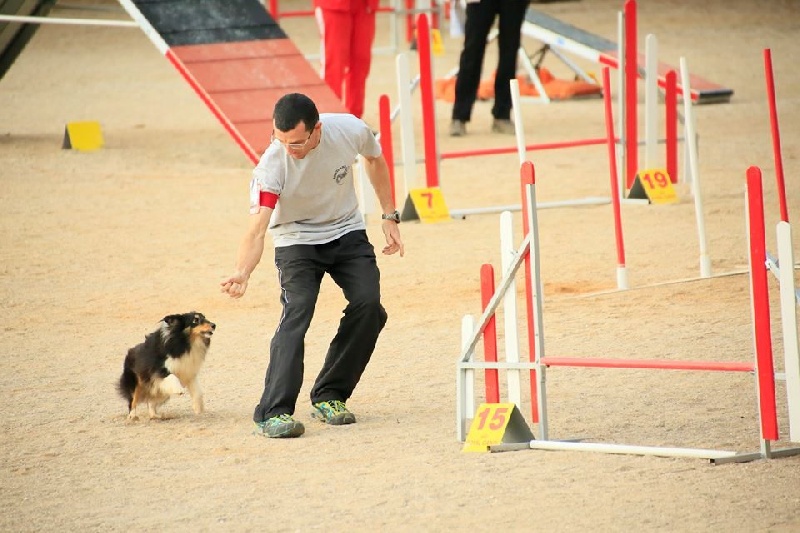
776 135
762 330
631 95
273 9
612 167
385 113
426 93
528 176
489 335
671 121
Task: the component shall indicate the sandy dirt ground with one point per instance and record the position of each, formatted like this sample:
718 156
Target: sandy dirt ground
97 247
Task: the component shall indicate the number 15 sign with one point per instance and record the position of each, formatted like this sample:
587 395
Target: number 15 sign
495 423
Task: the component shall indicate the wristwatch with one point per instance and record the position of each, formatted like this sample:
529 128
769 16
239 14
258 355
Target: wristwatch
392 216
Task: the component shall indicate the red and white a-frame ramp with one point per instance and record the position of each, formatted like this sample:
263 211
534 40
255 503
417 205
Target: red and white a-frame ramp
236 58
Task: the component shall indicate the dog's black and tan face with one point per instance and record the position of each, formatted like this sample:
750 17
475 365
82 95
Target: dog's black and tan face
194 325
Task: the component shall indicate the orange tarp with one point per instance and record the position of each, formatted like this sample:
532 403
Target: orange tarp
556 89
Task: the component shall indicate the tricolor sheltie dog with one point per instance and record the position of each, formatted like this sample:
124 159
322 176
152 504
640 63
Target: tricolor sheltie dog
167 363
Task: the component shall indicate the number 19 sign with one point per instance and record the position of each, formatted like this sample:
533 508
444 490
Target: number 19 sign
655 185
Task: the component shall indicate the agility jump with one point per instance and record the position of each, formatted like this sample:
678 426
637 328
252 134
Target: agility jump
433 157
528 253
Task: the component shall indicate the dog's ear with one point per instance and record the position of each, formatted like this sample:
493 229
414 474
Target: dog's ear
171 320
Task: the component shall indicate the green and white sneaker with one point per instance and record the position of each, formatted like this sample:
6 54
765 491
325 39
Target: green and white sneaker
333 412
279 427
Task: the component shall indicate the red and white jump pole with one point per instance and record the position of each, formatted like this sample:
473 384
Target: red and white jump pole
428 108
776 134
622 273
631 74
762 331
789 296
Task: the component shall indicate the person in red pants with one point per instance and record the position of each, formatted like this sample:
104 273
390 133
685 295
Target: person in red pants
347 28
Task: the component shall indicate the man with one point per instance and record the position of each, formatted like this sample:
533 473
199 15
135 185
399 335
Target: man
347 30
480 18
302 192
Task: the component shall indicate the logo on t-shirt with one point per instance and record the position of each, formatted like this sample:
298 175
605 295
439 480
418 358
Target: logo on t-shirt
340 173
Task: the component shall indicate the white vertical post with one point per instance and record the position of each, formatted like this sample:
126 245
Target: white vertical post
623 134
789 327
691 142
538 322
507 255
465 382
651 102
394 26
519 127
406 123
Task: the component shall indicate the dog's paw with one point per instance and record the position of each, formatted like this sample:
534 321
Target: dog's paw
132 417
198 407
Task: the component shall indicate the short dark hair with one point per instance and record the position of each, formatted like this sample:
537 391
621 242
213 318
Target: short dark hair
292 109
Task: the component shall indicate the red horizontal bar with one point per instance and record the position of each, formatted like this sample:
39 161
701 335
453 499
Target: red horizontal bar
648 363
528 148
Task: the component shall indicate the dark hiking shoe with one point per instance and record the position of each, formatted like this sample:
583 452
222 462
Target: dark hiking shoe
333 412
281 426
458 128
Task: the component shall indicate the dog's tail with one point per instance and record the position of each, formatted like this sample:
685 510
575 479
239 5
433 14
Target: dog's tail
127 381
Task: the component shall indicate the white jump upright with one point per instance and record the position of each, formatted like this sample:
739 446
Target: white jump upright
791 349
691 141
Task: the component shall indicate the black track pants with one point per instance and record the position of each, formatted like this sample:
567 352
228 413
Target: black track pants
350 261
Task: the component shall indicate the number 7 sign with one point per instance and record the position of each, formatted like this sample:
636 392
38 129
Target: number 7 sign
426 205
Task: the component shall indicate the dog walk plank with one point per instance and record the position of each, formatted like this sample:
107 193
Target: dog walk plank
559 34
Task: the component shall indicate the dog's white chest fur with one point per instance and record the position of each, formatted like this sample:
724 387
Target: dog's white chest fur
188 366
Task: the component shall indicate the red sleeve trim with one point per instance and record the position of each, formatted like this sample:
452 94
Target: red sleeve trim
268 199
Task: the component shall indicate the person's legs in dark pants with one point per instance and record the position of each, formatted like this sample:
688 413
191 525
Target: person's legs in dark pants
512 13
355 270
480 17
299 274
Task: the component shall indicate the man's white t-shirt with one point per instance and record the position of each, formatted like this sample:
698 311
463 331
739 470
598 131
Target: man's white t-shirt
317 199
